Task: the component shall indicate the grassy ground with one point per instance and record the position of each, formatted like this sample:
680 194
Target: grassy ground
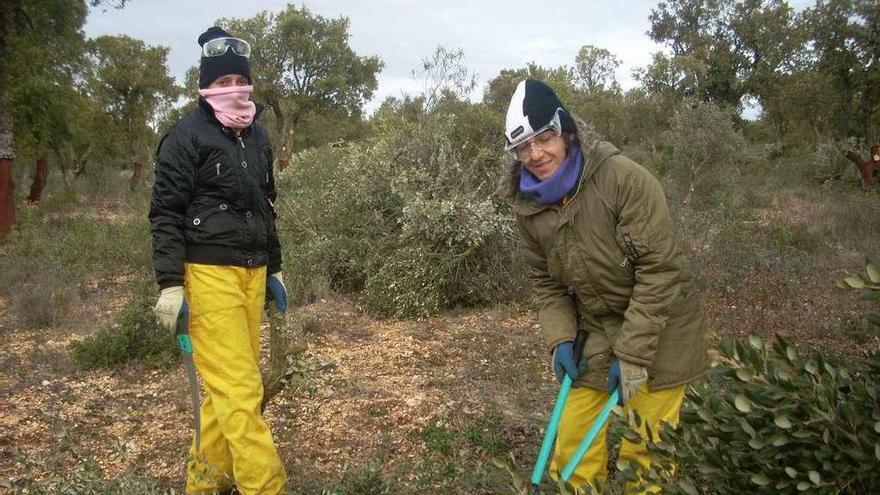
380 406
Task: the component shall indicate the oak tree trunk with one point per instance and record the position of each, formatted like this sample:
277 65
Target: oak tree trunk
866 168
137 175
41 173
7 155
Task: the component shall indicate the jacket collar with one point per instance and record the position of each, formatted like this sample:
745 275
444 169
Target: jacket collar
595 152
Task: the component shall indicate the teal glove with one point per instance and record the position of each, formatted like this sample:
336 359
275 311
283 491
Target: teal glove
275 291
168 307
628 376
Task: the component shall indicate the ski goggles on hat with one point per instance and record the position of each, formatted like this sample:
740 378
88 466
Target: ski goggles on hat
219 46
520 148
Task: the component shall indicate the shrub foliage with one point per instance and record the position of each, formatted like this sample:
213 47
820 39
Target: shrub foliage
136 335
405 216
773 422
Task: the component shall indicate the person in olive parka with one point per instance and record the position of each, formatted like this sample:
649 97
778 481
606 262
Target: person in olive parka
598 241
216 252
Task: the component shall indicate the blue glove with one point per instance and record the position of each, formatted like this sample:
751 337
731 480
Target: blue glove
564 362
628 376
275 291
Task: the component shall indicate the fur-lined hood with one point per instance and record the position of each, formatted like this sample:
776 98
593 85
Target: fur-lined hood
508 185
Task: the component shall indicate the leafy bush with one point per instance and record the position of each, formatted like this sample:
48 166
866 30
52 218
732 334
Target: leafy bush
867 282
41 296
136 335
703 151
772 422
407 216
828 163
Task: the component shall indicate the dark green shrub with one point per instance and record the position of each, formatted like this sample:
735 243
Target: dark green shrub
136 336
868 282
407 216
771 422
703 151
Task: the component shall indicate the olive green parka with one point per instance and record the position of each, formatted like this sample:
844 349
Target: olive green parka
608 262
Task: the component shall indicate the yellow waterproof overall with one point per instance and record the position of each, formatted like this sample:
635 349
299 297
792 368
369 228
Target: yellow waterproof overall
226 306
581 410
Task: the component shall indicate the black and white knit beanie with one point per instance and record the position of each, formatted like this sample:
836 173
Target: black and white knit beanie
532 107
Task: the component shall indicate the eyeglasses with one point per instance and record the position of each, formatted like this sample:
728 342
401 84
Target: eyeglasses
219 46
540 139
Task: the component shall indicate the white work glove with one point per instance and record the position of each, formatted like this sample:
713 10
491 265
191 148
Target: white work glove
168 307
628 376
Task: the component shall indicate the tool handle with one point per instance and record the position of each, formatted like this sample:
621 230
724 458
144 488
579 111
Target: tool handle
550 433
579 341
589 437
553 424
181 332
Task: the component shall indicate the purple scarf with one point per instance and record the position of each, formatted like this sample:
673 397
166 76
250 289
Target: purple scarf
560 183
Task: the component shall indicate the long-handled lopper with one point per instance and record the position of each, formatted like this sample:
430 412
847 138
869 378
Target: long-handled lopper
186 355
590 436
553 424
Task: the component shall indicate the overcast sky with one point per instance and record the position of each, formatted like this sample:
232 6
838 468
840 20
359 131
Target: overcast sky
494 34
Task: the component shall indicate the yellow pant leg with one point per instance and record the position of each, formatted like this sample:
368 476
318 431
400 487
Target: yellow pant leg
581 409
653 408
225 306
210 468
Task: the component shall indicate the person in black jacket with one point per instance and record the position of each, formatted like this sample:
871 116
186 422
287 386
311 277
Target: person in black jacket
212 219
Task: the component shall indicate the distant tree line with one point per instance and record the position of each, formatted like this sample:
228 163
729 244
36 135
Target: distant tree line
89 106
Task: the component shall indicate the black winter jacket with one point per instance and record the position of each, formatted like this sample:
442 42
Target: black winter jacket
213 199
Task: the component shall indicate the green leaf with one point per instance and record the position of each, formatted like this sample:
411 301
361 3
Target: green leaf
748 428
814 477
873 271
744 374
803 486
756 342
811 368
782 422
855 282
873 295
841 284
779 441
874 318
791 472
743 404
688 487
831 371
877 426
760 480
877 451
756 444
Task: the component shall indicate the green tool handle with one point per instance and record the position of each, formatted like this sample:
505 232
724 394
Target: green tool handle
590 436
181 331
553 425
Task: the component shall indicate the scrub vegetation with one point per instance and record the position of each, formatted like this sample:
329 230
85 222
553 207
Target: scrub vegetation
411 361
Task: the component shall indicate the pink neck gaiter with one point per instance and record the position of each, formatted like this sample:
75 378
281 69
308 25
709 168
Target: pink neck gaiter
231 105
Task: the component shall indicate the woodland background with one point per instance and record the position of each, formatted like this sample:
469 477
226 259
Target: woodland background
412 361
